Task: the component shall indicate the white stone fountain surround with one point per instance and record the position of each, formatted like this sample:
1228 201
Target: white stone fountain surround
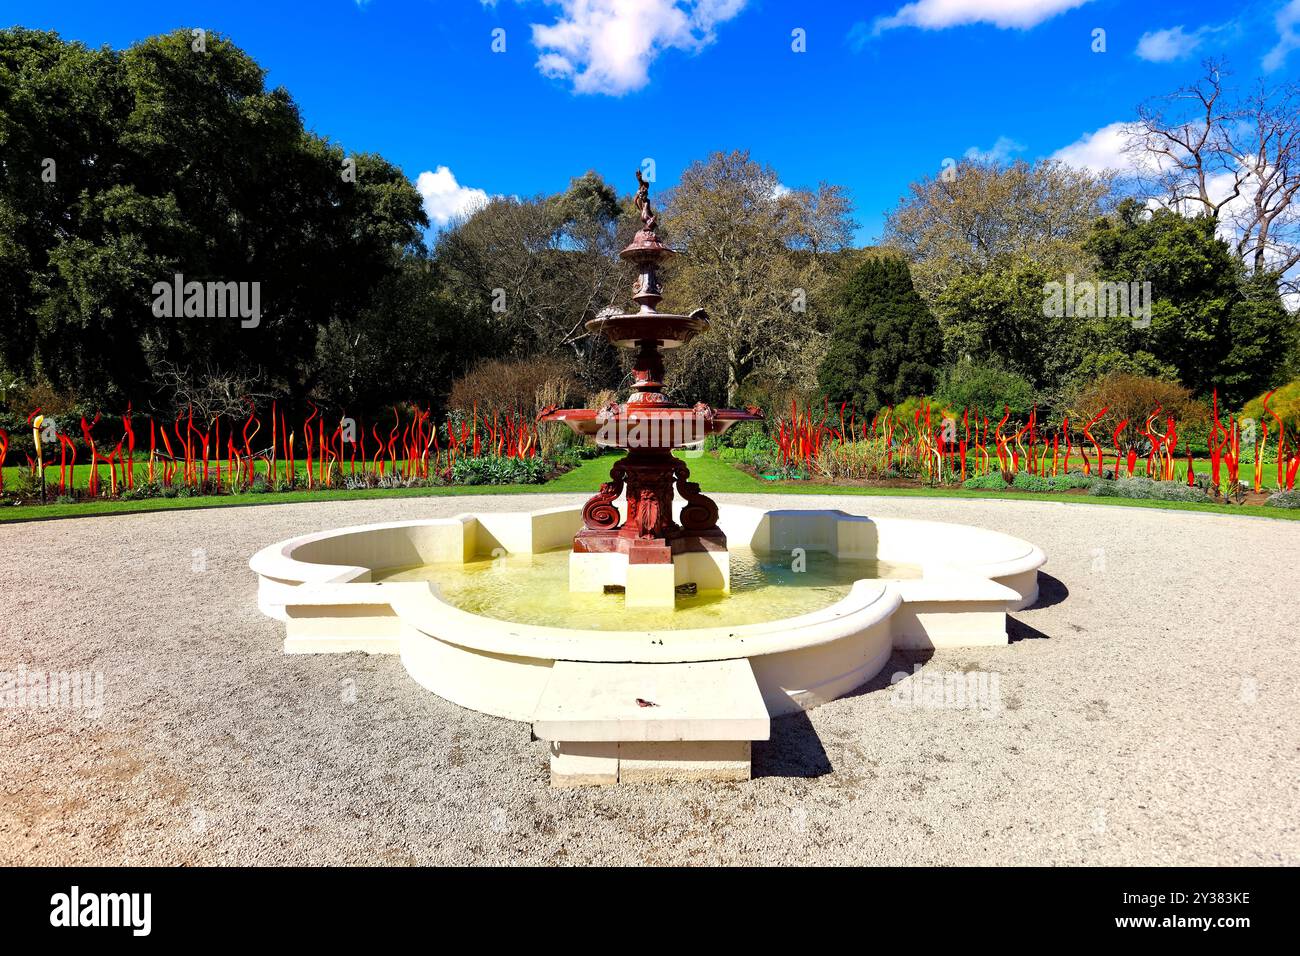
319 585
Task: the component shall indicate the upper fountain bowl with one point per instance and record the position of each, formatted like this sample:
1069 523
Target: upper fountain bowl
647 425
669 331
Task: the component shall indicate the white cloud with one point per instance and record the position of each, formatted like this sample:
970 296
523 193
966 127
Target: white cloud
1165 46
1100 150
999 152
1006 14
1288 33
607 46
445 199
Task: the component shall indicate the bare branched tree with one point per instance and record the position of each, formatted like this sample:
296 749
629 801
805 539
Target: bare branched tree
1269 229
756 256
543 266
1185 139
1237 161
210 391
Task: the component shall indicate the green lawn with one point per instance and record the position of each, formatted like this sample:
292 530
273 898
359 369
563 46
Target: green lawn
713 475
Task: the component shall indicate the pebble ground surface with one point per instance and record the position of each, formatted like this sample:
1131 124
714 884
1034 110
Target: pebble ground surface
1145 712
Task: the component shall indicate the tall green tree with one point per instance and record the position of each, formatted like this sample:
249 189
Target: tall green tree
885 344
408 344
996 317
1215 326
171 157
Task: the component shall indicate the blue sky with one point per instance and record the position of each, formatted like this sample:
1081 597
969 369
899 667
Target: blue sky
883 93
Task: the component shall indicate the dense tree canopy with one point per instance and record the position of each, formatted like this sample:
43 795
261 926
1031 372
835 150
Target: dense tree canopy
996 317
533 271
122 169
990 389
1215 326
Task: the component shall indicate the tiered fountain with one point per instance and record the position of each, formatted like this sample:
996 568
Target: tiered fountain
646 552
684 626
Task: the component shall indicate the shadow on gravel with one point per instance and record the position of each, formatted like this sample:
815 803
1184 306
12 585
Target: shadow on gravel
903 662
1050 591
794 750
1018 631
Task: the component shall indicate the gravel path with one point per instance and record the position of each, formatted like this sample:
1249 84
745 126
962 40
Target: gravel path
1146 713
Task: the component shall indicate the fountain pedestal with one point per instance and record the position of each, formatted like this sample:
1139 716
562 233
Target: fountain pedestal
643 549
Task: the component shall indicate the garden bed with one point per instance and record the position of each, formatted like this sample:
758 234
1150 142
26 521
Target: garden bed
1075 485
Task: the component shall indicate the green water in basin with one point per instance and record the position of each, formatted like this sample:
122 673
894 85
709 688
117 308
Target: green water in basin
534 589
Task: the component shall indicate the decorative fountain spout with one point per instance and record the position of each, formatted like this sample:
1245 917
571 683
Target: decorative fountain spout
647 552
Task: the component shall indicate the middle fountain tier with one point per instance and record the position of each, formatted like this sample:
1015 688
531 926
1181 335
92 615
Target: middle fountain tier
644 550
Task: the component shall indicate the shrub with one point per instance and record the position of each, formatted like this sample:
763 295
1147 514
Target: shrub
984 387
1177 491
851 460
1286 402
1147 489
145 489
1135 397
1027 482
1073 479
514 385
1024 481
25 485
495 470
759 452
759 444
990 482
738 436
905 411
1284 499
571 456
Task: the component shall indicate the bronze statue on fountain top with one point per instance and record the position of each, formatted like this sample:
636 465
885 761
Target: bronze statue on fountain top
648 426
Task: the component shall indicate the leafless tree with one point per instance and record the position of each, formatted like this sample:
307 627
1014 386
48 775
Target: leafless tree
1269 229
1236 160
545 264
757 257
210 391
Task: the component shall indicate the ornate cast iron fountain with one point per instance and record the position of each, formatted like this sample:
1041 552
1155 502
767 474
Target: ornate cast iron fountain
648 426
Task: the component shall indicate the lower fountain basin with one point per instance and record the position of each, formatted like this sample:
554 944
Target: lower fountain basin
535 589
948 585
